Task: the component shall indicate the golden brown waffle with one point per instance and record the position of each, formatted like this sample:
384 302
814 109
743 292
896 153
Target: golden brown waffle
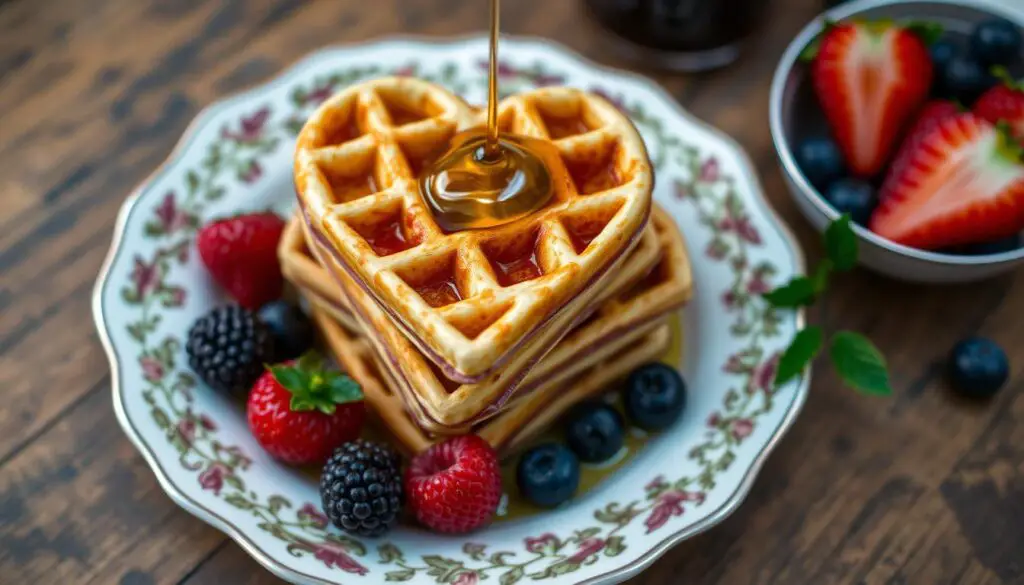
512 429
662 284
356 166
442 405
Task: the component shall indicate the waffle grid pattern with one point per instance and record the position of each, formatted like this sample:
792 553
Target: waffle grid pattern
356 165
658 280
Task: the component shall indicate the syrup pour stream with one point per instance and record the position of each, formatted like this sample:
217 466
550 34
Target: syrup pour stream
492 86
488 178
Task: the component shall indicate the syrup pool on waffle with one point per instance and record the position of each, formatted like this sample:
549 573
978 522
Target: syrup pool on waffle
469 188
488 178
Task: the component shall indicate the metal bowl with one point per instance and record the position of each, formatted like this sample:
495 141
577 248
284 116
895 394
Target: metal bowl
795 114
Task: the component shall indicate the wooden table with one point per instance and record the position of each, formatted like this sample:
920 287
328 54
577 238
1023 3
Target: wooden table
919 489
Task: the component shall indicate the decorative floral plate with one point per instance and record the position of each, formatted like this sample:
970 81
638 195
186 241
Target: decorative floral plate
237 156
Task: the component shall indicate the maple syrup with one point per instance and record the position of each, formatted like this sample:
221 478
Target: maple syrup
488 178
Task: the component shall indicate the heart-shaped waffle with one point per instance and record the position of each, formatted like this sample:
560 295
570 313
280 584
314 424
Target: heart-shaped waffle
654 281
510 431
356 166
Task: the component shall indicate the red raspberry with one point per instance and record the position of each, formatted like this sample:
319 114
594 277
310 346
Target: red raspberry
454 486
241 254
300 413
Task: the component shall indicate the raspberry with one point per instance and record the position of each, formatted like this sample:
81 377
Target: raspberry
241 255
454 486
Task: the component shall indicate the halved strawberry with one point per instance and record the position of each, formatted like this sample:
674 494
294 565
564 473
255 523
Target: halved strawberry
1004 103
870 77
963 184
928 118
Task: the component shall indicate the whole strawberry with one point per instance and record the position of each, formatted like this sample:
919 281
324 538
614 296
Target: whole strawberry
870 77
1004 104
300 413
241 254
455 486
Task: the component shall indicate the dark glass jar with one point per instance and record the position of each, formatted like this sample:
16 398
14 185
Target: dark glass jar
687 35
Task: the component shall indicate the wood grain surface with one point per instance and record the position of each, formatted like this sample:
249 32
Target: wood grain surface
920 489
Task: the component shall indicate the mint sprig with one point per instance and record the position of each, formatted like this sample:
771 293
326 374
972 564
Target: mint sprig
804 348
857 361
313 387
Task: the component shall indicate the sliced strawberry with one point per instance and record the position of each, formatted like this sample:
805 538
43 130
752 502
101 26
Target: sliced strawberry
963 184
870 77
928 118
1004 103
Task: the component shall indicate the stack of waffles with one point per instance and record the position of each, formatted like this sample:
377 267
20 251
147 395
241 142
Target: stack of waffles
494 331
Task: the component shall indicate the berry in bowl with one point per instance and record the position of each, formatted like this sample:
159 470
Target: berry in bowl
908 116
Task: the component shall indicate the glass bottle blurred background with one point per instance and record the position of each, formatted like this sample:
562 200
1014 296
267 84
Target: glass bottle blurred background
684 35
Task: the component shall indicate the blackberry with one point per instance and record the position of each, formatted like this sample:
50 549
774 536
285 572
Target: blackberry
227 347
361 488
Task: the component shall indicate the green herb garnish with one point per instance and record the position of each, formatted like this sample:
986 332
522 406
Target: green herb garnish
857 361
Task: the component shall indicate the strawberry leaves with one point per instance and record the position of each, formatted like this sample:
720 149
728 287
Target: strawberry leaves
857 361
928 32
314 388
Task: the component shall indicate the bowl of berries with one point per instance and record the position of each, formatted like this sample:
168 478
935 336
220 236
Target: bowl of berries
908 116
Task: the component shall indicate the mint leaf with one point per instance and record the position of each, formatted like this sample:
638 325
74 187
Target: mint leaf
821 276
859 363
293 379
799 354
799 292
841 244
344 389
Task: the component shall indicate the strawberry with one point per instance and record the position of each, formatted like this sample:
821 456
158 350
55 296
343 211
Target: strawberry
1004 103
869 78
241 254
964 183
928 118
300 413
454 486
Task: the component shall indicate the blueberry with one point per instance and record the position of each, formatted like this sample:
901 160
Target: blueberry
655 396
965 78
993 247
996 42
942 52
820 161
548 474
289 326
852 196
978 367
595 431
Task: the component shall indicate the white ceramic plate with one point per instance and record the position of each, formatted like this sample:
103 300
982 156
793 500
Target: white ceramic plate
237 156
